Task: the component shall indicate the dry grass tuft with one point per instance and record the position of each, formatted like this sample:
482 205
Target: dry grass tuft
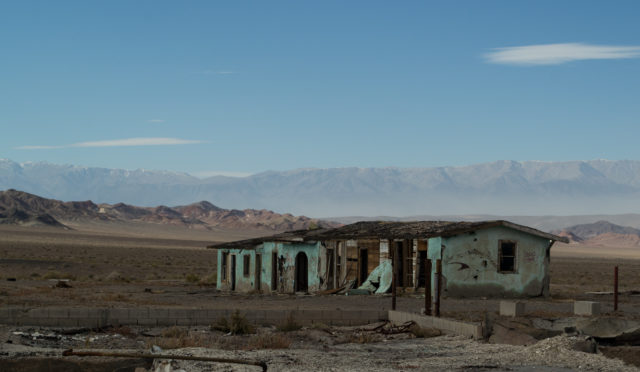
237 325
268 341
289 324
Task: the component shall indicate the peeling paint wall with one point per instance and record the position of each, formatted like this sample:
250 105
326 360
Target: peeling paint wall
470 264
244 283
286 267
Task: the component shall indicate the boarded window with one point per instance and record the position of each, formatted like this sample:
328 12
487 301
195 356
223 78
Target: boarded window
246 265
225 260
507 257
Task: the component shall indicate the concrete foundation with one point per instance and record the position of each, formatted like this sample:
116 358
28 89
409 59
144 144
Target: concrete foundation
152 317
511 308
446 325
586 308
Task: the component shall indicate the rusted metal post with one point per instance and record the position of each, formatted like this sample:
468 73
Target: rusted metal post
615 289
427 287
394 269
438 287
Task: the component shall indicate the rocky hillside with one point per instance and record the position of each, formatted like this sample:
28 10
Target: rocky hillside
17 207
602 232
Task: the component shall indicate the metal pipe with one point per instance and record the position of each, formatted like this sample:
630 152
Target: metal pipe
70 352
615 289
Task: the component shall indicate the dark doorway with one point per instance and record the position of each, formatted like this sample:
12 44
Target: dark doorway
398 264
302 273
233 272
422 258
363 273
274 271
258 276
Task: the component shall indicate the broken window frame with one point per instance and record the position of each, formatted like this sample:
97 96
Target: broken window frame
246 265
514 256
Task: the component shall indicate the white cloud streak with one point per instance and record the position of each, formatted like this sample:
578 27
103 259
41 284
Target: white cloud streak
555 54
126 142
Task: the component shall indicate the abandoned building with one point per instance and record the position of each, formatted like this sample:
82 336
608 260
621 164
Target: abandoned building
488 258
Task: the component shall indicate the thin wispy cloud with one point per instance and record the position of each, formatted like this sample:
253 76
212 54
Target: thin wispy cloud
555 54
126 142
155 121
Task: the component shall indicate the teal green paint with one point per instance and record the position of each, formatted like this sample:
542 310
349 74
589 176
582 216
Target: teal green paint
470 264
286 252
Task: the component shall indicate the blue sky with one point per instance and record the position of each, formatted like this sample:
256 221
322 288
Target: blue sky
211 86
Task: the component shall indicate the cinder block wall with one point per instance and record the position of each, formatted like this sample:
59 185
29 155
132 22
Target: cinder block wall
148 316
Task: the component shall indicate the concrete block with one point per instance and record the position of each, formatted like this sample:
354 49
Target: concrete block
587 308
180 313
38 313
185 322
82 313
140 313
166 322
118 314
64 322
147 322
56 312
511 308
159 313
446 325
216 314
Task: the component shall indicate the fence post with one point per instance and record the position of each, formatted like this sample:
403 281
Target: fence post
438 287
615 289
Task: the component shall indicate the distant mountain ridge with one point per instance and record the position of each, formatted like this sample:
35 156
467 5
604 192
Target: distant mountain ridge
602 232
498 188
21 208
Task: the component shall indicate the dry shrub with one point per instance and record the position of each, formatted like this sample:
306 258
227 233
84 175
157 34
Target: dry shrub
289 324
192 278
176 338
174 332
420 332
238 325
269 341
209 280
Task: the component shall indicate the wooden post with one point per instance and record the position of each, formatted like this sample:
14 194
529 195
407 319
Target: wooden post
427 287
394 280
438 287
615 289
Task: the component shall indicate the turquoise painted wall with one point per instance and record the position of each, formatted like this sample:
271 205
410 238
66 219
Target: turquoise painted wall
470 264
286 252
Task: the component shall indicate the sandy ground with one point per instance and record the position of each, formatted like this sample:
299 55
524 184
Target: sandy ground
149 269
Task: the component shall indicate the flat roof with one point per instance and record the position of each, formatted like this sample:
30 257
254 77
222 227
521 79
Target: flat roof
387 230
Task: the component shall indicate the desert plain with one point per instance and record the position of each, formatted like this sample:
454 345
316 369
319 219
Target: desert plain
152 265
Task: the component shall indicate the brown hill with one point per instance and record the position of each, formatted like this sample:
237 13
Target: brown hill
602 233
17 207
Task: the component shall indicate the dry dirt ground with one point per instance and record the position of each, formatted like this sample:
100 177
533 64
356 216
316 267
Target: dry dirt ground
147 269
